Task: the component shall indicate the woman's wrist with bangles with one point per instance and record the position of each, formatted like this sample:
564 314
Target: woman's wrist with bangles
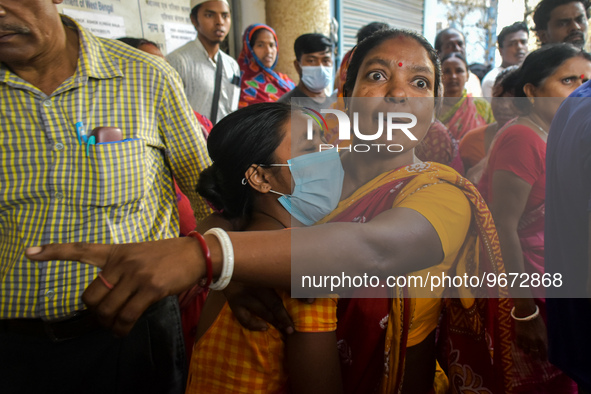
530 317
206 256
227 257
524 307
217 256
220 250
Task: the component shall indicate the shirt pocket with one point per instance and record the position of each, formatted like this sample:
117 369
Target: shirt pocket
116 172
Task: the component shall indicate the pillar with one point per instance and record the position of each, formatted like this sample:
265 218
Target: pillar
291 19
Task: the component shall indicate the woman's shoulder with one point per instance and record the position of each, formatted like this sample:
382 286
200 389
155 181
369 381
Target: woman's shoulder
472 145
441 198
474 136
481 101
519 132
447 187
517 145
483 107
427 169
433 177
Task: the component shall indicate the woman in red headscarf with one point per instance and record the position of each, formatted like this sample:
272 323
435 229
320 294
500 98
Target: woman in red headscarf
258 82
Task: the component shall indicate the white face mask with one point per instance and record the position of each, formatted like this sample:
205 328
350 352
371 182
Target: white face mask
317 78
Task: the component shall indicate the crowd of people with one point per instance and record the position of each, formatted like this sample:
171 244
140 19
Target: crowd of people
155 210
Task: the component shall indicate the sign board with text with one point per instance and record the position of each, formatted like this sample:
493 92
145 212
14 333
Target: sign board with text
165 22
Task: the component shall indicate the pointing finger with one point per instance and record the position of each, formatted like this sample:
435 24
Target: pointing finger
93 254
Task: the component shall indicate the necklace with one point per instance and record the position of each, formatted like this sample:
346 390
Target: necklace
538 126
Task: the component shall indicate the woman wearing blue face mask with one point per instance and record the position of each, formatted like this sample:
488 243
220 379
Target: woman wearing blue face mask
254 151
396 216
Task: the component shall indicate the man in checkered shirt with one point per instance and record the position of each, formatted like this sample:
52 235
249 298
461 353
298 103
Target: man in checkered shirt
58 82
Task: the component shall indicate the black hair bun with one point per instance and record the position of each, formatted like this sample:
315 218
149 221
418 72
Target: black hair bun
210 187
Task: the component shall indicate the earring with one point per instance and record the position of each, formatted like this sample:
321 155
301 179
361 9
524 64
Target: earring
531 100
244 181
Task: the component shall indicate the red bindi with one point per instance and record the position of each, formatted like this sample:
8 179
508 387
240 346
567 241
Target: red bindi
582 76
399 64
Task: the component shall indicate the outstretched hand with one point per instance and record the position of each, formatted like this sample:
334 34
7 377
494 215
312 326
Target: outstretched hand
140 274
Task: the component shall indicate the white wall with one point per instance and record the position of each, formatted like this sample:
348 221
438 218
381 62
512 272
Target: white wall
165 22
430 21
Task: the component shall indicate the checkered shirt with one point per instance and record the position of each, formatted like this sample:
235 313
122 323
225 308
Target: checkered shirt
54 189
231 359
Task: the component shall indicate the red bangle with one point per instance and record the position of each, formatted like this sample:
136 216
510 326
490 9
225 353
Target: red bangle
206 254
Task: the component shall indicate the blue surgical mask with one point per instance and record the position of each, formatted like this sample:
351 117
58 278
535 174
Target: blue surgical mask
318 179
316 78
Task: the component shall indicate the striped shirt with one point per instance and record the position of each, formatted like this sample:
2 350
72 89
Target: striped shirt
55 189
198 72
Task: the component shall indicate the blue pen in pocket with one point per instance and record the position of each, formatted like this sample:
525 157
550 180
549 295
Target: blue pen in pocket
80 132
91 141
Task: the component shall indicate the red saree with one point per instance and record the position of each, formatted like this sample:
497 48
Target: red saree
475 351
518 149
531 375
